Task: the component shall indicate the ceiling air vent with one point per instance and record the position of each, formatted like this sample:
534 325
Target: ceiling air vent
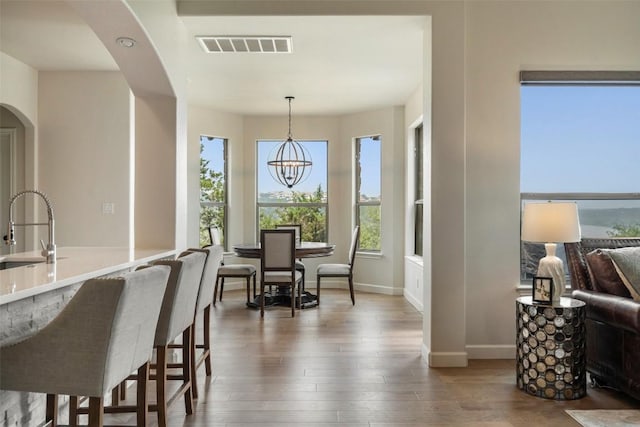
251 44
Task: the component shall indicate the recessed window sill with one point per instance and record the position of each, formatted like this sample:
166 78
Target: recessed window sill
369 255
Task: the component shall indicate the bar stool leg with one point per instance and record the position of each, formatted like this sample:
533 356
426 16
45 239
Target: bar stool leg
215 290
248 287
192 362
207 340
161 385
96 409
73 411
142 400
52 409
186 369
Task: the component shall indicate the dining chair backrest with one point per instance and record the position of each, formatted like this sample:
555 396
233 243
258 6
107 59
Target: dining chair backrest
212 263
179 303
355 238
278 250
296 227
214 236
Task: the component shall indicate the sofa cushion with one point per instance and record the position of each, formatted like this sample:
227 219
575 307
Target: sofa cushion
627 264
603 274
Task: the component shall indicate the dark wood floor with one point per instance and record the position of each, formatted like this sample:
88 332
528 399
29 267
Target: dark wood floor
344 365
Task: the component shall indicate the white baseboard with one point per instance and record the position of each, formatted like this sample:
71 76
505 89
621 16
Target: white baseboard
415 302
444 359
235 284
364 287
504 351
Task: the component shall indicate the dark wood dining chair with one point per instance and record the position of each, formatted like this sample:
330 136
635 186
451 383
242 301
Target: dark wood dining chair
340 270
225 271
298 229
278 264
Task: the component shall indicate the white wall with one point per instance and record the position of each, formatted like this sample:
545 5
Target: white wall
413 265
502 39
12 174
84 146
19 94
205 121
376 272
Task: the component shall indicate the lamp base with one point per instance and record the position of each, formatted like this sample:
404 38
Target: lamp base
552 266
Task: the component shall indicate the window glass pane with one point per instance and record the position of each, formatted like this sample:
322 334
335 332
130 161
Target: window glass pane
270 190
418 163
211 216
312 219
369 167
580 143
369 221
304 204
212 186
418 230
580 139
419 193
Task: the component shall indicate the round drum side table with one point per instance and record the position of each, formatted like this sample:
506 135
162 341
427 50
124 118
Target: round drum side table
550 348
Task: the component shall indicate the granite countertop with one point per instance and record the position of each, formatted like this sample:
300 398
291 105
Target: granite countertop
74 265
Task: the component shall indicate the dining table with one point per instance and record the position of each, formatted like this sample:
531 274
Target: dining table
282 296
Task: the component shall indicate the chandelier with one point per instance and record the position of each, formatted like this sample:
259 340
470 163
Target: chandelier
290 162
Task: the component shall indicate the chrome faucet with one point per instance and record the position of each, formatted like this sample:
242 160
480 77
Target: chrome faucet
48 250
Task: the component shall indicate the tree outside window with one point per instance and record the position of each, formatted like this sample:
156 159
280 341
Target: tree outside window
213 191
305 204
368 183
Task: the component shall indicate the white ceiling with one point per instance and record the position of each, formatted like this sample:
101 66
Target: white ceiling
339 64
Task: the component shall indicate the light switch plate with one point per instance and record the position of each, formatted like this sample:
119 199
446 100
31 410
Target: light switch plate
108 208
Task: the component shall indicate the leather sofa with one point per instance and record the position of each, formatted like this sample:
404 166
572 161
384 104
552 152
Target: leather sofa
613 317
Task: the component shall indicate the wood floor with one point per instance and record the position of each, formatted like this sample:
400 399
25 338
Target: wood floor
357 366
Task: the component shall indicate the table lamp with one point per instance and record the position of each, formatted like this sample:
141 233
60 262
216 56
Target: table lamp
551 223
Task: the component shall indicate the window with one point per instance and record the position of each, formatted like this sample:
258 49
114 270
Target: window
418 218
579 142
304 204
368 184
213 187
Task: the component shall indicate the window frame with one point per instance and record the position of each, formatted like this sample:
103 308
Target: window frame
418 183
324 204
573 78
223 204
359 204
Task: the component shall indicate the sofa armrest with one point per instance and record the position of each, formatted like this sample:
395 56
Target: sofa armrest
616 311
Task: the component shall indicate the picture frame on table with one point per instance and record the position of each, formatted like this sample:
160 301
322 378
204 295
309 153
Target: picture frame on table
542 289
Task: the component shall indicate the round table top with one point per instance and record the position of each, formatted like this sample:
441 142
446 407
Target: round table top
564 302
305 250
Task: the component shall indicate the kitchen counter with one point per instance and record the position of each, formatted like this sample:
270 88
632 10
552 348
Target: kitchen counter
74 265
34 294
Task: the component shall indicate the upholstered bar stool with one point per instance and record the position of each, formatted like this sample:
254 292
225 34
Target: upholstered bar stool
176 317
205 298
103 334
246 271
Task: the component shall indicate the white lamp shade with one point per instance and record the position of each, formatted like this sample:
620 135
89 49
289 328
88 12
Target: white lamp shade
550 222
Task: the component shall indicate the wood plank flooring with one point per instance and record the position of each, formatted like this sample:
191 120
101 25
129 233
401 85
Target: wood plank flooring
357 366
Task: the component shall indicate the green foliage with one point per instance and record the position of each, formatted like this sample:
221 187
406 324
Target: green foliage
370 228
622 230
312 218
211 190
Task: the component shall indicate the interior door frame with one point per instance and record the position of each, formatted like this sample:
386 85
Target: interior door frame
8 135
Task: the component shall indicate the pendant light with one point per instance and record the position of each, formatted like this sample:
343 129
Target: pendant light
290 162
